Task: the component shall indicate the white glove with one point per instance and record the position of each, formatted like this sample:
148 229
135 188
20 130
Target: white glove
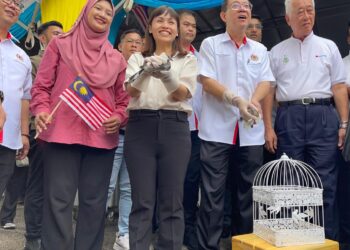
156 63
166 76
138 81
247 110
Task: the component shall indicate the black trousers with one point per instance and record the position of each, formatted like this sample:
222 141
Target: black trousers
310 133
33 203
15 188
157 151
68 168
215 166
191 189
7 166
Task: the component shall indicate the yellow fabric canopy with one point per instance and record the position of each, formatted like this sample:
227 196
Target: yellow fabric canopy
63 11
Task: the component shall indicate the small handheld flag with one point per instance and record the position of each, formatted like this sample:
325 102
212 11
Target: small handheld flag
88 106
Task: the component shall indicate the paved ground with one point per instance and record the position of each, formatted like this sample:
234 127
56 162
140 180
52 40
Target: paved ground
14 239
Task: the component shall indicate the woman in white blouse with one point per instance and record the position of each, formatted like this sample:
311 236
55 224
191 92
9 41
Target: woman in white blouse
157 139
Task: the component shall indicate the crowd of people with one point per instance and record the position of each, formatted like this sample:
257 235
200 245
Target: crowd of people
180 133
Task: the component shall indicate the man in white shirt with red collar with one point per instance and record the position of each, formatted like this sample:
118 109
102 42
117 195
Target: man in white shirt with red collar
188 31
310 80
231 67
15 83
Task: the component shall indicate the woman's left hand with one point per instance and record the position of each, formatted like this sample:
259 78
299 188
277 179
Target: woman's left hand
111 125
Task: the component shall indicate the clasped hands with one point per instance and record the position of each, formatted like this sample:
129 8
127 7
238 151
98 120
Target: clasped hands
249 111
159 67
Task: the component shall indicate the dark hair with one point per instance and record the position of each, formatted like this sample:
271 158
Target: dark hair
224 5
348 32
129 31
149 37
46 25
257 17
186 12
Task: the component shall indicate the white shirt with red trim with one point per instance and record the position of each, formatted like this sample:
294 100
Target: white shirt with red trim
240 70
15 82
195 101
306 68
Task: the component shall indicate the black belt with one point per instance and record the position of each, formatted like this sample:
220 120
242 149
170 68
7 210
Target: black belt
121 131
308 101
159 112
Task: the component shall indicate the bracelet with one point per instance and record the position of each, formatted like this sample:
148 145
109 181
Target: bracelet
26 135
343 125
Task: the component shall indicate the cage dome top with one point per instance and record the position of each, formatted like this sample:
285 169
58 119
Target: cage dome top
287 173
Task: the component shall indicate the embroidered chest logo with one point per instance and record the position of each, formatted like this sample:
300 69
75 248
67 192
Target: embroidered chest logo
254 58
285 59
19 57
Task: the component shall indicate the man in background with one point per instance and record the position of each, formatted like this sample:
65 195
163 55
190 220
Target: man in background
254 29
130 42
33 203
188 31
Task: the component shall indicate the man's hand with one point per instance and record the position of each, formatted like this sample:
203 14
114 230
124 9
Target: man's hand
41 121
2 117
111 125
247 110
257 106
270 140
23 152
341 138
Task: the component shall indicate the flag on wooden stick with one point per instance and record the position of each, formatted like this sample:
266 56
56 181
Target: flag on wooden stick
88 106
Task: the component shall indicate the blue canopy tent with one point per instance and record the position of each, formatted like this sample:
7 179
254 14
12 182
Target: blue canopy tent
181 4
20 29
332 18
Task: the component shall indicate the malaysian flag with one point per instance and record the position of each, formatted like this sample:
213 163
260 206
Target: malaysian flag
89 107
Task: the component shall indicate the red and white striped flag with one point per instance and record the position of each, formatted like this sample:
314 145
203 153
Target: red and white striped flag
89 107
140 13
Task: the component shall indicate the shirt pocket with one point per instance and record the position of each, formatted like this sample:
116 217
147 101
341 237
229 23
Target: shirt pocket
254 68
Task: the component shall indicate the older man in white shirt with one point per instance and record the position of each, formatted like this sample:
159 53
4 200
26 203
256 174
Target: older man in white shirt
310 80
232 69
15 83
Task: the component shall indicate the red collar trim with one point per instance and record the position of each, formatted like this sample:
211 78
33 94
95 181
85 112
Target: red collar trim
244 42
8 37
192 49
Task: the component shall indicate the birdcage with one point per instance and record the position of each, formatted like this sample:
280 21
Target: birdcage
288 203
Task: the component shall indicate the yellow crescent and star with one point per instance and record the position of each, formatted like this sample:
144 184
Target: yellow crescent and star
82 90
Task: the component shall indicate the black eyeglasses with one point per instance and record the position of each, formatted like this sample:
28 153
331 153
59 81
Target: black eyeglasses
239 6
18 4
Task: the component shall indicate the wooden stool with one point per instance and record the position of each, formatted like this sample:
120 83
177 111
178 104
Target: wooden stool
253 242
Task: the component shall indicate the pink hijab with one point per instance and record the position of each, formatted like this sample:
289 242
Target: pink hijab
90 54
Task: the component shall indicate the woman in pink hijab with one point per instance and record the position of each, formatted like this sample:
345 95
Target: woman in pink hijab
77 155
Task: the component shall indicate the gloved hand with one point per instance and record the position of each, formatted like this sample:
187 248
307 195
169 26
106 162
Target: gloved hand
247 110
138 80
168 79
156 63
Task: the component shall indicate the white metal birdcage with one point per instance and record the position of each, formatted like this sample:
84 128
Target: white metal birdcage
288 203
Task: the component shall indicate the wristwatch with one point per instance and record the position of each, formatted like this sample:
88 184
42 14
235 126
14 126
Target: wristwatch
1 96
343 125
